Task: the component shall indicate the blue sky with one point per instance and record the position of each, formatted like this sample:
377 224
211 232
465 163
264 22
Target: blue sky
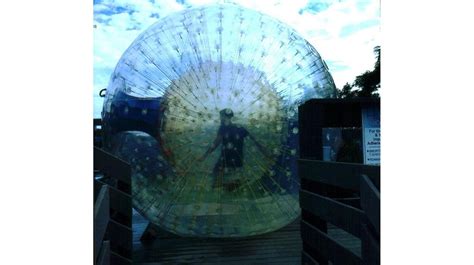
344 32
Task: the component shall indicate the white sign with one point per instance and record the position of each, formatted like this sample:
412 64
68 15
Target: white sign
372 146
371 135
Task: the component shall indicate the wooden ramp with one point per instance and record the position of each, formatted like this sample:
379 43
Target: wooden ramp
280 247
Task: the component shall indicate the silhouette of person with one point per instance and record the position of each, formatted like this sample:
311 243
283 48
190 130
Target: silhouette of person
231 137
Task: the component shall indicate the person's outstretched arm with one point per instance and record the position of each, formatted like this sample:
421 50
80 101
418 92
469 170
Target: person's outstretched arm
213 147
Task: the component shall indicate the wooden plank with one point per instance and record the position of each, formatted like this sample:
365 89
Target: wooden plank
270 255
306 259
370 202
97 188
314 255
370 247
354 201
339 214
343 175
332 250
112 166
121 204
345 239
322 225
120 238
104 255
338 174
280 247
117 259
216 252
373 173
101 218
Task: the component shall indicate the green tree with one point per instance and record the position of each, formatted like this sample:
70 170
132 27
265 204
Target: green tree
346 91
366 84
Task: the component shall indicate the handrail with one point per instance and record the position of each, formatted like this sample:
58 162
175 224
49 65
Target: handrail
332 250
370 202
112 165
101 217
332 211
342 175
116 181
319 208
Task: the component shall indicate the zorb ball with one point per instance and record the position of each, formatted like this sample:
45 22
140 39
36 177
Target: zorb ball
203 105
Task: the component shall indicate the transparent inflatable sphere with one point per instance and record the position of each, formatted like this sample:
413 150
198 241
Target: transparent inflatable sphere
203 105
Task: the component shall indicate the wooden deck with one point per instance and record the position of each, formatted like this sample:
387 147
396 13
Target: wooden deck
280 247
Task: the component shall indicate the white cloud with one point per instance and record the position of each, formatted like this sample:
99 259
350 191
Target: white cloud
202 2
354 51
323 30
119 22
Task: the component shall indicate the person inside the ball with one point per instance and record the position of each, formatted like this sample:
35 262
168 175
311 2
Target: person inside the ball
231 138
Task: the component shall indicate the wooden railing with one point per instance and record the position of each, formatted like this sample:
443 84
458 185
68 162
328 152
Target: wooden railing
112 210
101 219
346 197
370 203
